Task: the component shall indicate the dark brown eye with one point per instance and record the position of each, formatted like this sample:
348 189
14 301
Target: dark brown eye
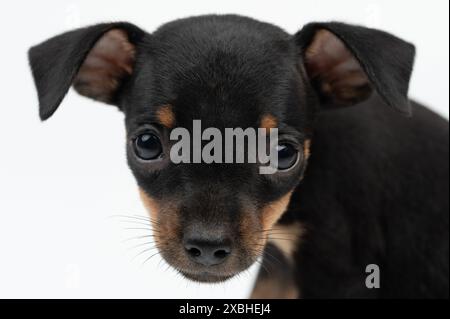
148 146
287 156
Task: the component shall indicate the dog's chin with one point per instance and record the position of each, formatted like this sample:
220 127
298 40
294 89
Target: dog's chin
206 277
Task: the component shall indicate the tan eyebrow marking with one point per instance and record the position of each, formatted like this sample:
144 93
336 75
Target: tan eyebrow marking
268 121
166 116
307 148
273 211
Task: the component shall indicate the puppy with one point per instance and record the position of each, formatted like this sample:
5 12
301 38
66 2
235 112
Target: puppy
359 181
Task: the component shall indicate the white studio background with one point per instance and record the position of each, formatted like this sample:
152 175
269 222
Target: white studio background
60 181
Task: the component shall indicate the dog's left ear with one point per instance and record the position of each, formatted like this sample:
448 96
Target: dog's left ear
97 60
345 63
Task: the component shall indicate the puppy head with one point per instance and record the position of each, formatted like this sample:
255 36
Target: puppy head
212 220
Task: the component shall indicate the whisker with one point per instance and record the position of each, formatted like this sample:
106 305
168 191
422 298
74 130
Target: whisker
271 259
277 238
129 216
159 263
157 253
146 218
265 230
135 222
264 267
141 216
150 229
266 255
137 237
273 231
276 233
137 228
143 244
144 251
138 217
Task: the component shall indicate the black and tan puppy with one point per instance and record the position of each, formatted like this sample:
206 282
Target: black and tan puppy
355 186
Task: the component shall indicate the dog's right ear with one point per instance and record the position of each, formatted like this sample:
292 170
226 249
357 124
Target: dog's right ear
97 60
346 63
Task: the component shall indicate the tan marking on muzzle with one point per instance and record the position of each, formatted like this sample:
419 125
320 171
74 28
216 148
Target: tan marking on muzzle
165 226
273 211
166 116
287 238
149 203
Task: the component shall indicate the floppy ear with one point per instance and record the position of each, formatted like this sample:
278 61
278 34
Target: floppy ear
346 63
96 60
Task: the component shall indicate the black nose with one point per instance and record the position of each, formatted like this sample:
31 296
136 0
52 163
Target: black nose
207 252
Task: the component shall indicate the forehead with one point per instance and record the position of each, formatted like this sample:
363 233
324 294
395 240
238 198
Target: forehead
229 80
223 106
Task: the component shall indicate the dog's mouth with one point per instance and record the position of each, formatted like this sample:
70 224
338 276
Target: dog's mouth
218 273
213 273
206 276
